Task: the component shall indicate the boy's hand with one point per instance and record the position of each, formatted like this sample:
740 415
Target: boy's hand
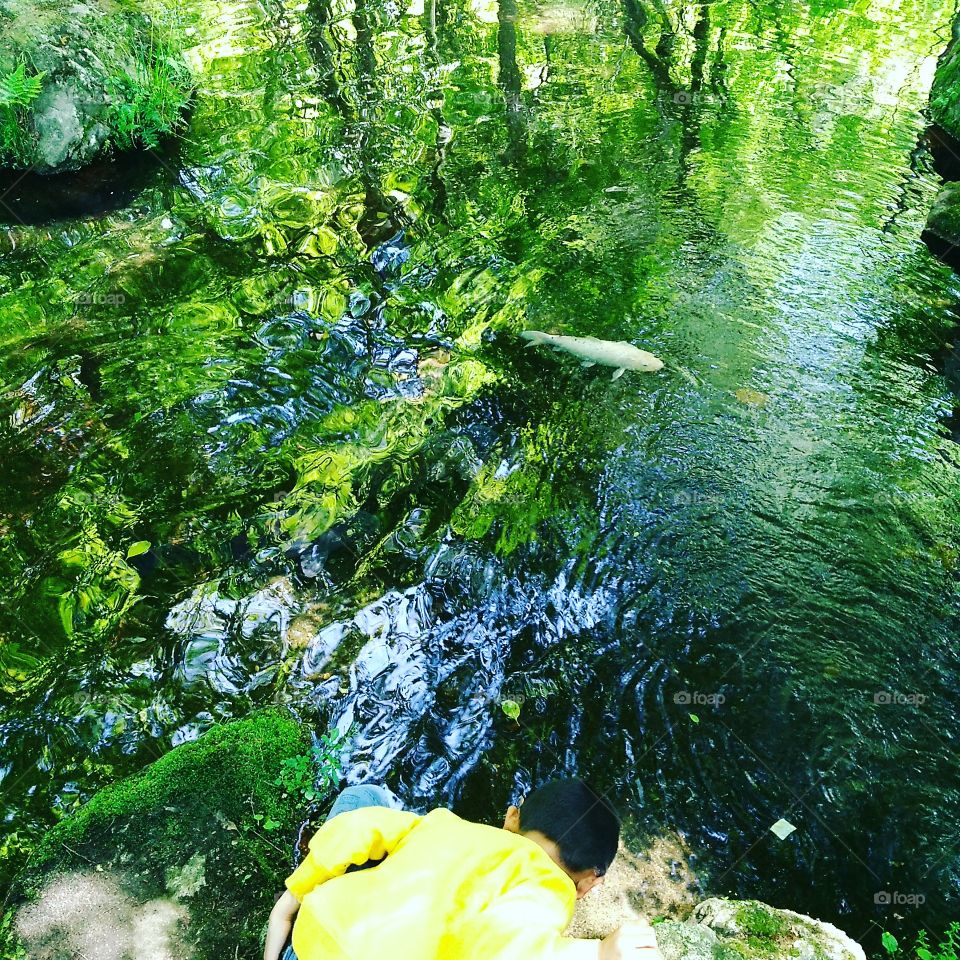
632 941
278 929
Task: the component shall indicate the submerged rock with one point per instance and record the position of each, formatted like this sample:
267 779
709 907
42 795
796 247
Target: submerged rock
942 234
182 860
82 79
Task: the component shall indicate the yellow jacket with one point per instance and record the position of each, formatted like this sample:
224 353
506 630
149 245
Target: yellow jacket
449 890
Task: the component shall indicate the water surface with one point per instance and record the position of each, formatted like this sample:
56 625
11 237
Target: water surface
269 432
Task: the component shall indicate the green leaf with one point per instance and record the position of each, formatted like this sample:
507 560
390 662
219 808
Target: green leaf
889 942
924 954
19 90
694 718
66 606
269 824
138 548
511 708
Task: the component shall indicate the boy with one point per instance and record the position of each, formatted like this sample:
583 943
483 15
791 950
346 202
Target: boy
442 888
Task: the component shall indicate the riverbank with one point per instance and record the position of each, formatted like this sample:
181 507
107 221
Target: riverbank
186 856
182 862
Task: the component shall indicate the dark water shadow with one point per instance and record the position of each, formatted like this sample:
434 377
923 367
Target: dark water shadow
944 150
109 184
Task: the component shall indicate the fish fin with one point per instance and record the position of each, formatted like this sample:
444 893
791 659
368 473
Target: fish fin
532 343
619 373
589 363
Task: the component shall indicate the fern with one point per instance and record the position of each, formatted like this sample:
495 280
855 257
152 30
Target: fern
19 90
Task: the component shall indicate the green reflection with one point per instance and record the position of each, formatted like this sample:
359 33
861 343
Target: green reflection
312 310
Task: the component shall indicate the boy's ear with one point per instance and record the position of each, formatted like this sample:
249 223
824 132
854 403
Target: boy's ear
511 821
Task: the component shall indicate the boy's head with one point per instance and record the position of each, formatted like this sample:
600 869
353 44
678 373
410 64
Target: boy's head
576 827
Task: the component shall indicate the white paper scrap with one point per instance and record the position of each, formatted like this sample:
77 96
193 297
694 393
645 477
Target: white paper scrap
783 829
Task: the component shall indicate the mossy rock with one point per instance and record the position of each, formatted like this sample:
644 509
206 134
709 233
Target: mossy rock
175 853
658 882
756 931
691 941
945 92
82 79
943 224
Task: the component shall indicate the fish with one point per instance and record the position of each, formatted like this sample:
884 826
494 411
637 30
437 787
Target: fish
608 353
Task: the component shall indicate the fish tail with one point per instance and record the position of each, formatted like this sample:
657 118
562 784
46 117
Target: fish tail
534 336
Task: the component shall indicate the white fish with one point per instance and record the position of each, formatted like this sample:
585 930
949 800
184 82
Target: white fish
609 353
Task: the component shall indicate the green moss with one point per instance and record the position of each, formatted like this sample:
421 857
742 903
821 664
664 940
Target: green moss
762 931
758 921
198 809
945 93
944 218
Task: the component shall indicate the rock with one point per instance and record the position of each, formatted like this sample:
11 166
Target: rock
691 941
107 79
89 914
945 92
942 233
650 886
180 862
762 931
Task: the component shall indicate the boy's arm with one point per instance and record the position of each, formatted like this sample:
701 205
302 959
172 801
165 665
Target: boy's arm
354 837
528 922
278 929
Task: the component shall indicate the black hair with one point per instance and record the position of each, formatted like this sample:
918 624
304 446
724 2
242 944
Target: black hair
585 827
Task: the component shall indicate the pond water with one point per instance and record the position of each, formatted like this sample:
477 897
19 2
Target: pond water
269 432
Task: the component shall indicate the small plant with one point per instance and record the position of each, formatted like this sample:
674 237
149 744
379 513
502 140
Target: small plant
314 775
947 949
17 91
512 709
148 104
266 823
